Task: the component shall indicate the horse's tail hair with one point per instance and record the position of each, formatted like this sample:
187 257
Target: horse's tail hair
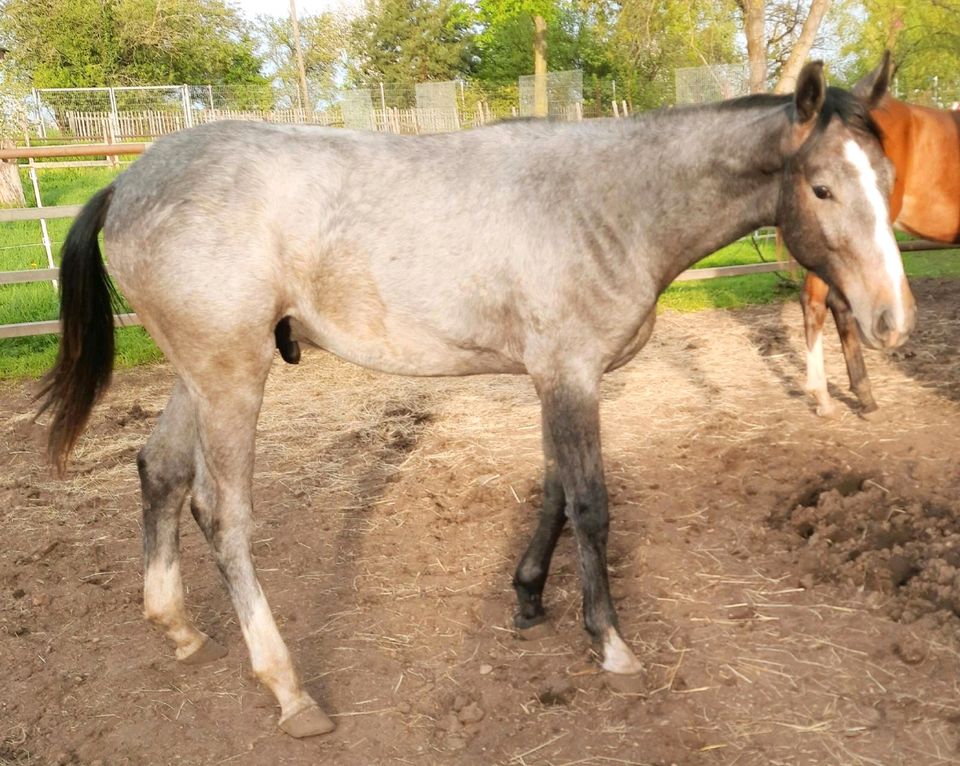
84 363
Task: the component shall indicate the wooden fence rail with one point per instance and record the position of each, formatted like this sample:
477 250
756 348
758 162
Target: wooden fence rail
70 211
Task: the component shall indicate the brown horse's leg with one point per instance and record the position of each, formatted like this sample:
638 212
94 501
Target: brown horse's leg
227 399
531 574
571 414
166 466
813 299
852 351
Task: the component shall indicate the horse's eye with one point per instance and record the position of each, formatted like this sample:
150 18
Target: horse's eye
822 192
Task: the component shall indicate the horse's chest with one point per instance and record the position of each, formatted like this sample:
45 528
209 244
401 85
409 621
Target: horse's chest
637 342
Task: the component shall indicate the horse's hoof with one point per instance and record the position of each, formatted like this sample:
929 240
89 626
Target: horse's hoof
310 721
209 651
522 622
827 410
617 656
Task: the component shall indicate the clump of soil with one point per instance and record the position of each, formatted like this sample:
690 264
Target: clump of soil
860 533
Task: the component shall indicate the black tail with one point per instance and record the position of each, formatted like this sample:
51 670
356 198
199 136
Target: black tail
85 361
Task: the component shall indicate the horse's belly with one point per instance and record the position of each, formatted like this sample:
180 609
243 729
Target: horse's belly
380 343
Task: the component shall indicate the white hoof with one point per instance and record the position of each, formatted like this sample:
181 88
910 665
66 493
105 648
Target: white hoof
617 656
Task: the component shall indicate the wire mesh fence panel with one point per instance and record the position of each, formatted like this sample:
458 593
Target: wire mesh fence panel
356 106
438 104
703 84
564 89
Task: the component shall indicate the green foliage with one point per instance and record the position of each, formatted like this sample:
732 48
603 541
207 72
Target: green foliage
323 42
407 41
650 39
924 36
85 43
505 43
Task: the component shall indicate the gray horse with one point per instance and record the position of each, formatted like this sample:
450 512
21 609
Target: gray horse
528 247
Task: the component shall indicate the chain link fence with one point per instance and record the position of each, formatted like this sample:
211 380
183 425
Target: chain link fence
702 84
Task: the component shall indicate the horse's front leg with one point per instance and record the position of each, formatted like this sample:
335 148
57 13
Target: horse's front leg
852 350
813 300
571 416
534 567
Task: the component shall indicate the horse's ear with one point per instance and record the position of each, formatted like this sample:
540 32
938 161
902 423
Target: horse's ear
873 87
811 91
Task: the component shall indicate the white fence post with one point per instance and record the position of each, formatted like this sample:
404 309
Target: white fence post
44 233
187 110
41 129
114 116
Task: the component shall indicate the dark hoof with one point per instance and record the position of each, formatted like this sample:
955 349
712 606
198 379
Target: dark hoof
309 722
209 651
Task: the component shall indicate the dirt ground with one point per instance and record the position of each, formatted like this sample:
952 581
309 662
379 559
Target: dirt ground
792 585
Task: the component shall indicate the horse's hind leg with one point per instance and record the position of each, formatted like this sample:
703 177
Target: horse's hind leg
166 466
228 399
571 413
813 300
852 351
531 574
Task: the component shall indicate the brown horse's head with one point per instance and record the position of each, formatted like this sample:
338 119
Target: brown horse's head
833 210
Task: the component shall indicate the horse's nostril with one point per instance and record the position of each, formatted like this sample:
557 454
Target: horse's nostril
884 325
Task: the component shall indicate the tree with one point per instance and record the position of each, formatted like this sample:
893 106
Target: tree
408 41
505 43
13 122
76 43
650 40
774 31
922 35
323 40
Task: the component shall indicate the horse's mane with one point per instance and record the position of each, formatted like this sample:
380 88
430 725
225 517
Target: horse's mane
851 110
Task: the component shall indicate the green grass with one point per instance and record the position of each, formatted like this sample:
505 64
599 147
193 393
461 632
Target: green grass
736 292
731 292
20 248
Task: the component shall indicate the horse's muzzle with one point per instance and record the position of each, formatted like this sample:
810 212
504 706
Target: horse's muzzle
890 331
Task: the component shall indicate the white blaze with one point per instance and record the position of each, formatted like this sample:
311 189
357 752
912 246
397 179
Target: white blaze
882 233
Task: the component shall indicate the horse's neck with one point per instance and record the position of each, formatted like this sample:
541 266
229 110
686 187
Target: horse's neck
716 173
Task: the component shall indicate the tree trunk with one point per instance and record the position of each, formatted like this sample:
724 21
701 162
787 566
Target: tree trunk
754 13
540 106
788 76
11 190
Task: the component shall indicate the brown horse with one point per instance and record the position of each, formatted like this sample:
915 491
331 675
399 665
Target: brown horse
924 146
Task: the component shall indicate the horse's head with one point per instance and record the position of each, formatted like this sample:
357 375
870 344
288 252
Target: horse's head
833 210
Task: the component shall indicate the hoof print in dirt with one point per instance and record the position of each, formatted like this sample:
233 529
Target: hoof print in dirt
556 691
861 534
